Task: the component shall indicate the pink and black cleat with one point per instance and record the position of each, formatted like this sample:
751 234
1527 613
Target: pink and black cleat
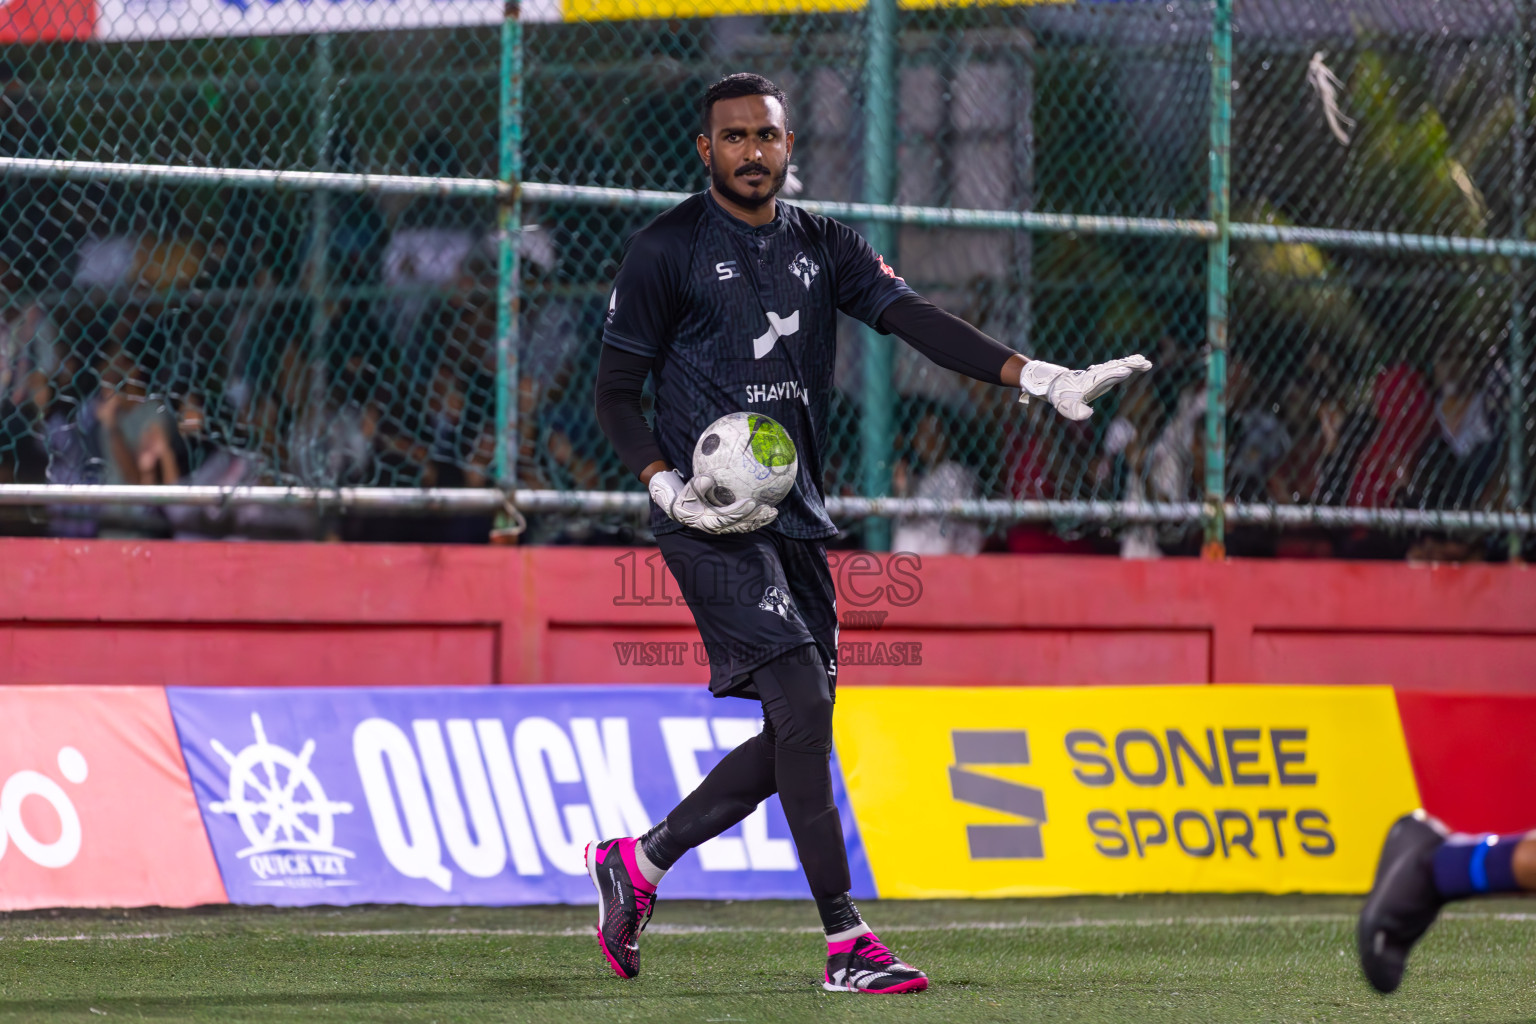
863 964
624 902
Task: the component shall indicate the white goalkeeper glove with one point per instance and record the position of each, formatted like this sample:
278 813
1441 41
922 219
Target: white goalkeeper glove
685 503
1070 391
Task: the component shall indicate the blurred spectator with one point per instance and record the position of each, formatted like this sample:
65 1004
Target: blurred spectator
427 252
1136 420
1028 474
29 338
140 442
568 467
357 235
458 452
1440 547
1317 421
1172 459
1260 444
1168 475
203 462
1404 419
29 356
175 261
1465 446
105 262
1317 469
931 473
133 427
565 465
426 255
1121 472
351 409
1256 437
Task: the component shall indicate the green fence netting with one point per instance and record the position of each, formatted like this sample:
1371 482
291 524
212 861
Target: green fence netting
258 333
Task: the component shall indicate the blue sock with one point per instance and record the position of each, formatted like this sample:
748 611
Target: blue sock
1469 865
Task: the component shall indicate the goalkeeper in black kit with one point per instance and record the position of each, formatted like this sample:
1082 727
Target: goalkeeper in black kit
729 301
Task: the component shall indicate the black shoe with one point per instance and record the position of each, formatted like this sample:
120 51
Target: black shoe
624 903
865 965
1403 902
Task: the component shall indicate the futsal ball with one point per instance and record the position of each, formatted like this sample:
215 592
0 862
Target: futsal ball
748 455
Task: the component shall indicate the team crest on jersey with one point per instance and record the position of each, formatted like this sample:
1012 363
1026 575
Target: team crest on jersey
776 601
805 268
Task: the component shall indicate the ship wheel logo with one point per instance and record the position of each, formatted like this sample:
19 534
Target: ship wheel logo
278 799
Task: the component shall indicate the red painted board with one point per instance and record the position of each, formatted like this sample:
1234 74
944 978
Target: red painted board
245 654
1023 657
1438 661
1474 757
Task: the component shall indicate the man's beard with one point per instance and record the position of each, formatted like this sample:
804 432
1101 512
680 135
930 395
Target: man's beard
725 183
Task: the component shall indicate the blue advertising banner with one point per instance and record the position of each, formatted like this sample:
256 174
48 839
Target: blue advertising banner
470 795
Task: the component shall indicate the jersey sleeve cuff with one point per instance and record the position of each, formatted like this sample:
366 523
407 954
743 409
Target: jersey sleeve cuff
630 345
900 292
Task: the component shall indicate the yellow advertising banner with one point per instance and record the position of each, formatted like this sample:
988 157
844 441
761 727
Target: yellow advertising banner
619 10
1032 791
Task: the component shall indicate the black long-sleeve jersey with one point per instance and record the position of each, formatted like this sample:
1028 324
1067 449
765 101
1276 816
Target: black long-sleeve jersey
744 319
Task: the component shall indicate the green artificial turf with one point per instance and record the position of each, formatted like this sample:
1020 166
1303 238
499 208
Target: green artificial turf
1135 959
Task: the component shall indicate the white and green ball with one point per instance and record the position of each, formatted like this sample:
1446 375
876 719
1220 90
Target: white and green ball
748 455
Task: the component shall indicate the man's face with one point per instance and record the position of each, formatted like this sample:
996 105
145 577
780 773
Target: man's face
747 150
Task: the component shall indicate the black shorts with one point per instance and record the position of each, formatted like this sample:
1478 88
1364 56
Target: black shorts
754 596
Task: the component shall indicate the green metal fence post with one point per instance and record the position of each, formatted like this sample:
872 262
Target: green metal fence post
324 73
1517 340
1217 283
509 223
875 418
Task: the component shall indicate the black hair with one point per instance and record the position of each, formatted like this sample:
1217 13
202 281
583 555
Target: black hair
731 87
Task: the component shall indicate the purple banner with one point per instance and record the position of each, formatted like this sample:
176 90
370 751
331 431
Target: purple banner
470 795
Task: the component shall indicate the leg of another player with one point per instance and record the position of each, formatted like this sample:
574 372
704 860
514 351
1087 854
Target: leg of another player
1471 865
1423 866
1525 862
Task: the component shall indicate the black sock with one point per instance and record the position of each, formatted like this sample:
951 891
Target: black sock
838 914
661 847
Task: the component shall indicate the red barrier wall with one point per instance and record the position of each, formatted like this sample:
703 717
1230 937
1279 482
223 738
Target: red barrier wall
290 614
1474 758
258 614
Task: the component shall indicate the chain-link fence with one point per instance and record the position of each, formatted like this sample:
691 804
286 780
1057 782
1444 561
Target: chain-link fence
1335 304
228 333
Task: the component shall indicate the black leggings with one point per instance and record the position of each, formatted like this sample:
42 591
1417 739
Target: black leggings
792 756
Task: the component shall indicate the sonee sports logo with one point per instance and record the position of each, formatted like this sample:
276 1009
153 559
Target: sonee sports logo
997 747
